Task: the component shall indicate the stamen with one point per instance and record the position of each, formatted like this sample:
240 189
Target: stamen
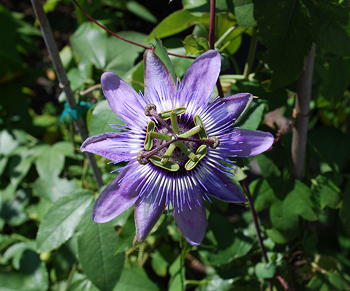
200 154
161 136
148 144
191 132
174 123
174 140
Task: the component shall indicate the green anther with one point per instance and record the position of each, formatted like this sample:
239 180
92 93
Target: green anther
170 166
148 144
191 132
198 121
186 151
174 124
161 136
200 154
167 114
168 153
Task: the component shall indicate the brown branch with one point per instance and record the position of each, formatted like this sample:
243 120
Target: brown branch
90 89
63 80
301 115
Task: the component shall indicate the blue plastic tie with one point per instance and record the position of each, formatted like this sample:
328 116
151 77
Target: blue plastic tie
81 108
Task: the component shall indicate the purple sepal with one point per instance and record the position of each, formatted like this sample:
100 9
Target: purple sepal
159 85
221 187
200 79
147 214
250 142
225 111
122 98
192 223
119 195
110 145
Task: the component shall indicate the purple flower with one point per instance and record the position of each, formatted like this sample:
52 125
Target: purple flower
178 143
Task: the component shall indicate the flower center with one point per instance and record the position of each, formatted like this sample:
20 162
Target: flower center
174 143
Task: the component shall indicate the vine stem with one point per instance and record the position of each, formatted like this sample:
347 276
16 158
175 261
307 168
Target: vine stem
63 80
119 36
245 187
251 55
211 39
301 115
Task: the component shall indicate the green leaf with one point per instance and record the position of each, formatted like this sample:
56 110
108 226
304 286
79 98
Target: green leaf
282 217
134 278
253 116
284 28
177 22
162 53
280 237
102 118
61 220
121 55
195 45
50 163
335 76
230 245
53 190
79 282
229 35
265 270
268 167
326 191
140 11
177 273
159 264
263 193
244 11
18 167
344 211
126 234
97 245
240 246
7 143
90 44
180 64
37 280
334 39
299 202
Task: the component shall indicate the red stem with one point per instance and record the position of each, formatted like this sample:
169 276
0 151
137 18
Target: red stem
120 37
211 38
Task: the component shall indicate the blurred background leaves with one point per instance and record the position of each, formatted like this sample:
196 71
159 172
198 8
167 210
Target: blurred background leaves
48 241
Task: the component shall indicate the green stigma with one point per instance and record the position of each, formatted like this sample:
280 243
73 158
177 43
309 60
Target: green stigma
171 147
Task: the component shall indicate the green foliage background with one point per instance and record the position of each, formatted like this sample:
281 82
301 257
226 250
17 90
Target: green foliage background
48 241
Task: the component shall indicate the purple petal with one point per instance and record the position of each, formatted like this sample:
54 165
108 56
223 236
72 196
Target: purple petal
200 79
245 143
122 98
110 145
159 85
225 111
147 214
222 187
192 223
117 197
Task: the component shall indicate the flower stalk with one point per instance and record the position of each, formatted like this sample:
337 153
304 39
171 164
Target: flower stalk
246 190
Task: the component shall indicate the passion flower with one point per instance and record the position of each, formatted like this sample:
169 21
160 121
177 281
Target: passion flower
179 144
